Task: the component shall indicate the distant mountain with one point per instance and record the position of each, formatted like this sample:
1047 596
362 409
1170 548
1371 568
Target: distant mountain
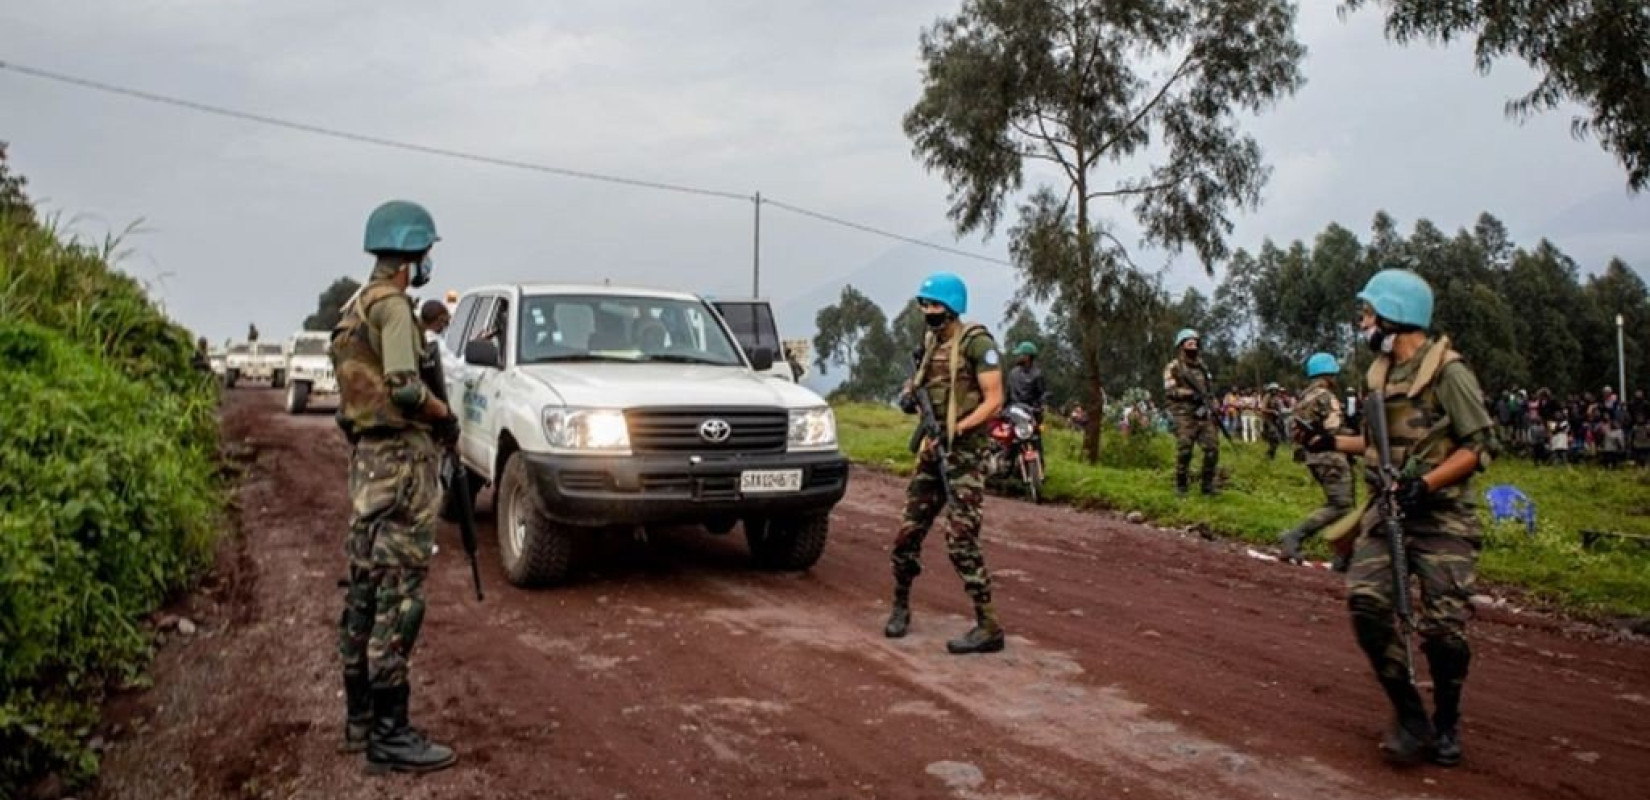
890 280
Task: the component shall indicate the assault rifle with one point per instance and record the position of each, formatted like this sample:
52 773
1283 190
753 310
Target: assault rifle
1213 411
457 477
929 427
1392 526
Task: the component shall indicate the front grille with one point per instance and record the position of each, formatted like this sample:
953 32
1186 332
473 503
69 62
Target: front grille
677 430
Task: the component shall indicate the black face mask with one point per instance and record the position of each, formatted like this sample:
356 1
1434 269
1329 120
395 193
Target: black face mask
936 321
1379 341
1191 353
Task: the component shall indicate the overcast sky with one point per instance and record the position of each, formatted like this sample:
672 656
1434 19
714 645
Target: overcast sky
800 100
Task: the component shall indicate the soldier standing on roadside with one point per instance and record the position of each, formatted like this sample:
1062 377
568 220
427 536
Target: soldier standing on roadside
1440 435
1319 411
961 372
1188 386
396 426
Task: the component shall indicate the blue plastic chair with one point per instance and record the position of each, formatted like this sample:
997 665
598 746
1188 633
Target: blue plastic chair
1507 502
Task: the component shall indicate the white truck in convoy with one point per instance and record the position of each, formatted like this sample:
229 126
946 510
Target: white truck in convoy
308 371
255 361
598 408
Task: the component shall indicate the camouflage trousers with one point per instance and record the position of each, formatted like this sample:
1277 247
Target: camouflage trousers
1441 544
925 498
395 494
1334 475
1189 430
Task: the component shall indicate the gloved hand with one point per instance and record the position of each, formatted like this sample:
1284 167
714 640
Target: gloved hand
908 402
1319 442
445 431
1412 493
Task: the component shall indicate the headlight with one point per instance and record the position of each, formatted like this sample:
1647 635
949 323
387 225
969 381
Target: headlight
1022 430
589 429
812 428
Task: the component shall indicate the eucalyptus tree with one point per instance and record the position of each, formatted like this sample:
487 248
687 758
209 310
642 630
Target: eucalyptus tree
1131 105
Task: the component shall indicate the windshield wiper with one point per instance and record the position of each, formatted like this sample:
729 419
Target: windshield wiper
579 357
677 358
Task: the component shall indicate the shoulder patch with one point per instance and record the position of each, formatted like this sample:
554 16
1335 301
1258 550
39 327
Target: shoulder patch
991 357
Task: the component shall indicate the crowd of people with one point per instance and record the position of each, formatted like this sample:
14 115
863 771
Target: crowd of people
1601 429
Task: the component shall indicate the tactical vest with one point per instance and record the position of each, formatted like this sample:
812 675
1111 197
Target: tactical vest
1189 376
1316 405
949 377
1418 430
363 395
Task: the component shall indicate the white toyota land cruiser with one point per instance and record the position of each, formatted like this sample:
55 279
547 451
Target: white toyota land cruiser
308 370
599 408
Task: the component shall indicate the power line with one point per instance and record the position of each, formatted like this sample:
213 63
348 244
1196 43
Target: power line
335 133
380 141
879 232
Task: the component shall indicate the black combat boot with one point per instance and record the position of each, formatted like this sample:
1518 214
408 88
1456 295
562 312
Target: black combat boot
1289 544
1447 659
357 712
1410 736
395 746
985 637
899 619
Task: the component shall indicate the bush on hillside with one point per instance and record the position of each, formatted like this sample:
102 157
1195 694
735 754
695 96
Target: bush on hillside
108 500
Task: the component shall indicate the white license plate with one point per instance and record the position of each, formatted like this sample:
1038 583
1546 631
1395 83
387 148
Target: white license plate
758 481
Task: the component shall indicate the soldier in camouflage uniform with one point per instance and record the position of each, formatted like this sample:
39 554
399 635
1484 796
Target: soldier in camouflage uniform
1440 434
1272 411
396 425
1188 386
961 371
1319 410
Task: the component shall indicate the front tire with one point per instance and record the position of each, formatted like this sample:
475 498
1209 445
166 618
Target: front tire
230 377
788 543
297 397
535 550
277 379
1031 473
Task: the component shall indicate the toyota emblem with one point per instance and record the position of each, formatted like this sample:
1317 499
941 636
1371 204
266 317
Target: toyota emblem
715 431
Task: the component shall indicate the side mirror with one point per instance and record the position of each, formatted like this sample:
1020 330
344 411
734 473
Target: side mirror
761 358
483 353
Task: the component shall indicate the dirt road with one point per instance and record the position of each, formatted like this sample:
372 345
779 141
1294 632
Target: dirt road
1141 664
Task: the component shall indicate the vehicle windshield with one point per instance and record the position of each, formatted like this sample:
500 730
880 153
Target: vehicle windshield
309 347
622 329
269 349
240 349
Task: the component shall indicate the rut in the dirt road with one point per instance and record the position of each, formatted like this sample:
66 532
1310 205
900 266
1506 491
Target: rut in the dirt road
1140 664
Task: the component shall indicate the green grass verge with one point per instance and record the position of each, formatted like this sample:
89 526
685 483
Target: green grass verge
1265 497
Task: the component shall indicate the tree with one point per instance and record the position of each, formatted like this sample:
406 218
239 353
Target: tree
14 203
1071 84
1592 52
854 333
328 308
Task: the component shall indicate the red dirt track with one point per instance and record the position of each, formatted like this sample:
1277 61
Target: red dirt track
1141 664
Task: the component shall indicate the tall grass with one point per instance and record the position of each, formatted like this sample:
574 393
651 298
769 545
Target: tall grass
108 500
1263 498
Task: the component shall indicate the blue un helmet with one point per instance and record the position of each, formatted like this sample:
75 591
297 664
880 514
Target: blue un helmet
1399 296
1184 334
400 226
1322 364
946 289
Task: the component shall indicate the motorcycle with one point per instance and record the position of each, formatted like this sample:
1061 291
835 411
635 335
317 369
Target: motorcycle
1016 450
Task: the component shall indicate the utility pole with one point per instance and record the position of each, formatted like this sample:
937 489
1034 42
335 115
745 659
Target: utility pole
1621 365
756 248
